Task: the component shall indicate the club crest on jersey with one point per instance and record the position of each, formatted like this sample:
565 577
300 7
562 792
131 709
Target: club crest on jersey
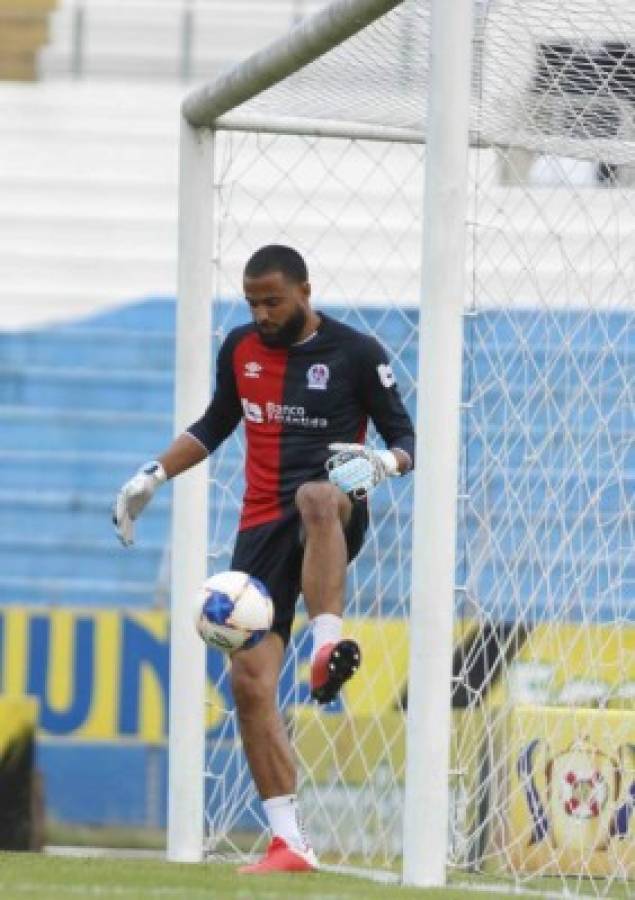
252 370
317 377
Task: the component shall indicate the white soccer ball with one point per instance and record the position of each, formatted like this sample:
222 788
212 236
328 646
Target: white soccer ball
233 610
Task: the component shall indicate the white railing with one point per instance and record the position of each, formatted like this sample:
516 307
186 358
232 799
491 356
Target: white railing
181 39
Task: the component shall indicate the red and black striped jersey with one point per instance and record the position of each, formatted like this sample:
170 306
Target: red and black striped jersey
295 402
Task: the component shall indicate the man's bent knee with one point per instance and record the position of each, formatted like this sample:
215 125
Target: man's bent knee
319 502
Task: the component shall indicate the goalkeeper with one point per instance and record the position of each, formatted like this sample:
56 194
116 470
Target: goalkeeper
305 386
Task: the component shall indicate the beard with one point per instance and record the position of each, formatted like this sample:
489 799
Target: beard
284 336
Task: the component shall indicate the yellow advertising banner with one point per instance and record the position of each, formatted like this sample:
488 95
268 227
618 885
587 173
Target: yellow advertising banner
18 718
569 788
99 675
102 674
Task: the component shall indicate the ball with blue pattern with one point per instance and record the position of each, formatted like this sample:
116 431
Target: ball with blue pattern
233 611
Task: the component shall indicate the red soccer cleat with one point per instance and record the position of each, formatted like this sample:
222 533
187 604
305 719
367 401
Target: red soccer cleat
333 665
280 857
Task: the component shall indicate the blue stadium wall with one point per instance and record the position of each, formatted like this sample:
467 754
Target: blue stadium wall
82 625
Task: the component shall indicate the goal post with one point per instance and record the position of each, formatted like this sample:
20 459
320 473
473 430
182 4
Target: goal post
186 734
437 468
459 177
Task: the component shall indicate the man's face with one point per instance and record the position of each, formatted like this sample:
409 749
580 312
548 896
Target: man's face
279 307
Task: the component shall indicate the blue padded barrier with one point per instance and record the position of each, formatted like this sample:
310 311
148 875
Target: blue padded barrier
114 784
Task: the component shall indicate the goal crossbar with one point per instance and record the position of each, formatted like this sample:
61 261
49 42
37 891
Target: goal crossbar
293 51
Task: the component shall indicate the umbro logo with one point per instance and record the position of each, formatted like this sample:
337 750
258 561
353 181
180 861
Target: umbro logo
252 370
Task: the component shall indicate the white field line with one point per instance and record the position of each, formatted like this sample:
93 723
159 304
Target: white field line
103 852
47 889
183 893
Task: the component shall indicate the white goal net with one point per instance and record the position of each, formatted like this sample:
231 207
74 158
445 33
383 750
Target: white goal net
542 746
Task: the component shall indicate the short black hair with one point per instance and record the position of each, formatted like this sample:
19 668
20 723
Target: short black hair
277 258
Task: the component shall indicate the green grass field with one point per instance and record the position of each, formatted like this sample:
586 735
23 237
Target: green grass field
38 876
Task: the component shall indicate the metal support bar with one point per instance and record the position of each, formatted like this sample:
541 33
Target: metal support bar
187 42
323 128
78 40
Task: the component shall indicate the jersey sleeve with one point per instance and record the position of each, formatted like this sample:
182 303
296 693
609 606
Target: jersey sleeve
381 399
224 411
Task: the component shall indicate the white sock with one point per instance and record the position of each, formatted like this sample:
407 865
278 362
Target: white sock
282 814
327 629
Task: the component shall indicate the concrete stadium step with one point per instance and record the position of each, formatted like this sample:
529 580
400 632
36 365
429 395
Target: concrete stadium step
112 250
134 195
548 372
88 231
90 135
552 329
82 592
69 470
104 349
586 500
221 31
109 311
505 585
521 411
60 107
84 516
80 516
80 232
33 306
110 194
557 492
574 592
127 273
505 363
150 314
582 450
144 157
566 541
61 429
113 390
54 558
587 368
150 62
98 231
76 471
575 529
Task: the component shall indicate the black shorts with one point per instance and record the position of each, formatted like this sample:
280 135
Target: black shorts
273 553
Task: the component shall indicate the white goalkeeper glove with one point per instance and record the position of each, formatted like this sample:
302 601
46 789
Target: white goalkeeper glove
134 497
356 469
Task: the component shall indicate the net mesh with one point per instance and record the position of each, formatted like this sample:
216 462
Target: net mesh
543 707
547 529
554 77
315 195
